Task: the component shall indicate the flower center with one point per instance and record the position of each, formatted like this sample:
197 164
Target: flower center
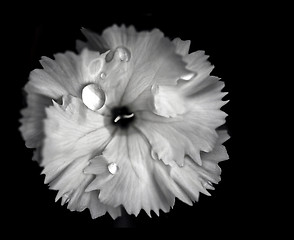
122 117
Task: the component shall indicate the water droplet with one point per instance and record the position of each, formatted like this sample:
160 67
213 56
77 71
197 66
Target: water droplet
103 75
112 168
188 76
123 53
93 96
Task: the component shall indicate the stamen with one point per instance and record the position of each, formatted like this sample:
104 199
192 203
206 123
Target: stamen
128 116
117 119
122 117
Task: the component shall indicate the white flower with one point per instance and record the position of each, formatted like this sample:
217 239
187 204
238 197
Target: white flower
128 122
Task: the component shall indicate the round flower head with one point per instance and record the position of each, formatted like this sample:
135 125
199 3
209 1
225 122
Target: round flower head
130 121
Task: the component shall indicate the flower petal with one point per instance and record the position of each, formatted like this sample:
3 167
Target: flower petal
193 178
95 42
98 209
182 47
219 152
188 181
196 112
167 185
32 119
133 186
73 135
168 101
157 63
197 62
153 60
67 74
188 178
192 133
59 76
97 165
172 101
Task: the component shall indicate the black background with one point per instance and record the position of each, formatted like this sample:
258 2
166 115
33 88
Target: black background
225 37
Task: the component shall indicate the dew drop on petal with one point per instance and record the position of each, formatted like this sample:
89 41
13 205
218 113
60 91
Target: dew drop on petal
103 75
93 96
188 76
123 53
112 168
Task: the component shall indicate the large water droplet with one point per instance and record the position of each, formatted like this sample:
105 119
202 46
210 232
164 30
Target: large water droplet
112 168
93 96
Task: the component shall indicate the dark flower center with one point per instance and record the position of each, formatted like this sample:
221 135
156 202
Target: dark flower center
122 117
